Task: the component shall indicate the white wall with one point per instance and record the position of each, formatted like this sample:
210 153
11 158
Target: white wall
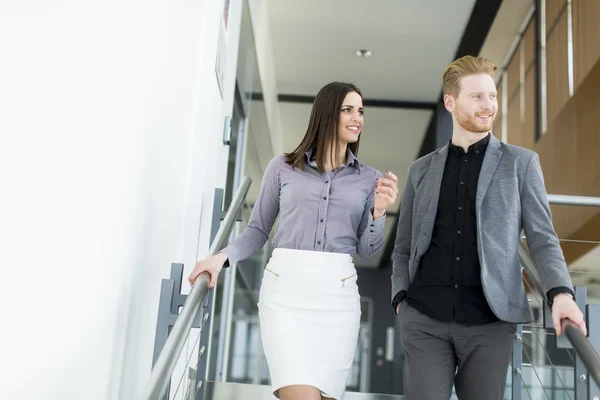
110 148
268 77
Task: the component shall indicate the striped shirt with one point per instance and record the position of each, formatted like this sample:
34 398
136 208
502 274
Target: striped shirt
328 212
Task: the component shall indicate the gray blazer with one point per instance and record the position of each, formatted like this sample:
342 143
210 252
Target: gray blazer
510 197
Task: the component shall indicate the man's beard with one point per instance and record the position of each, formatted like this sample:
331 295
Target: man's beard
472 123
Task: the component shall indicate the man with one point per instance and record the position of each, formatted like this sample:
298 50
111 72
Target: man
456 284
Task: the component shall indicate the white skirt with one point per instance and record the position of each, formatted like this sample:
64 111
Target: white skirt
309 310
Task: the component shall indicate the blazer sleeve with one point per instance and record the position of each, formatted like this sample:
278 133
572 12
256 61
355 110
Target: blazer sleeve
542 240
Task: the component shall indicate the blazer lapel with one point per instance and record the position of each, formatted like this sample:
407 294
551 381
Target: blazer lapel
492 158
434 180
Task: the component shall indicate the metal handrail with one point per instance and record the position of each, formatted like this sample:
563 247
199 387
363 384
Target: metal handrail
567 200
165 364
589 356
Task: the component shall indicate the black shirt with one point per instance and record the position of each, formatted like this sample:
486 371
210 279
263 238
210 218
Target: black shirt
447 285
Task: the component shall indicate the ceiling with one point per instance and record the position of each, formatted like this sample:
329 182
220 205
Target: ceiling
505 29
314 42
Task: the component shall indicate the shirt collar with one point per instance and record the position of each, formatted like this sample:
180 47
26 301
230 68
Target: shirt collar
350 159
478 147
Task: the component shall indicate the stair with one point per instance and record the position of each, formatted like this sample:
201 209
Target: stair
235 391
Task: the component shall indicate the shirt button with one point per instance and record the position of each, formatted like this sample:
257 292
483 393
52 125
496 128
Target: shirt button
324 198
466 160
462 183
458 232
326 181
371 245
457 258
456 286
318 242
372 231
321 220
477 152
460 207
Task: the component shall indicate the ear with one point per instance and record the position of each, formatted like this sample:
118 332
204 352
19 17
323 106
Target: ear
449 102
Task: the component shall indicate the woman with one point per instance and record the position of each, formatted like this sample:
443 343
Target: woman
330 206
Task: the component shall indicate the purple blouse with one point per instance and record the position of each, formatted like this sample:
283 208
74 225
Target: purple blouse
320 212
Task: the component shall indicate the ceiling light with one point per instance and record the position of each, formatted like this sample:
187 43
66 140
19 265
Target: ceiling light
363 53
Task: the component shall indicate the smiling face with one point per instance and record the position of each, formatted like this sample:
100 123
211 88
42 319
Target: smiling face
475 107
334 126
351 119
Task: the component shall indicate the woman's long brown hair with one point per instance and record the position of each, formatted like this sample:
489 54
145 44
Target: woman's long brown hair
322 132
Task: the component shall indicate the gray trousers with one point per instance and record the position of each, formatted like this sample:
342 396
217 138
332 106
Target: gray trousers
438 354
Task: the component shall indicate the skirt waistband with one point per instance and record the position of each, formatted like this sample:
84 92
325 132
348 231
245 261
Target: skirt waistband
305 264
311 257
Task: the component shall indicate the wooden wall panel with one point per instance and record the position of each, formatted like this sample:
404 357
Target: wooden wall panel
529 43
528 126
557 74
513 71
554 8
586 136
569 154
497 128
513 120
586 37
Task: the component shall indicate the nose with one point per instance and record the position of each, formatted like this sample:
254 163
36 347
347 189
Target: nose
488 104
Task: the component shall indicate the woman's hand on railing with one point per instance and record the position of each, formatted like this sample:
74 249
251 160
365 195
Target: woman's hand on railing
213 265
564 307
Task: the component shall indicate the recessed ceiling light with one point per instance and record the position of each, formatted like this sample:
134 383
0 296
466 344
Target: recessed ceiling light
363 53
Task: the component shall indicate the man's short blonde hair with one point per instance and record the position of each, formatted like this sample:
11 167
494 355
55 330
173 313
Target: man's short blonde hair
465 66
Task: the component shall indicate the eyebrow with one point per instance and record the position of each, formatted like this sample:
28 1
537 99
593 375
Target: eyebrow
349 106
